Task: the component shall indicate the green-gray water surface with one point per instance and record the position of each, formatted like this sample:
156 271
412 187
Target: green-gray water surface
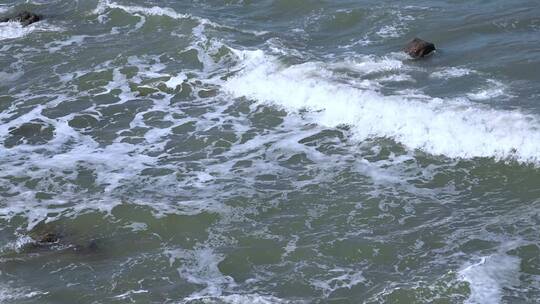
272 151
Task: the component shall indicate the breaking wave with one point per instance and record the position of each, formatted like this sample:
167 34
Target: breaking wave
456 128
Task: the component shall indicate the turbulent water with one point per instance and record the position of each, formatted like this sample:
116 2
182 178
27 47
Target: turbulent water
270 151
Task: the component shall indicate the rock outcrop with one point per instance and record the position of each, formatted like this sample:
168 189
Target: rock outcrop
419 48
49 238
24 17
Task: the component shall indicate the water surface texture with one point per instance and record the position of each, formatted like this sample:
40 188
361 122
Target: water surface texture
270 151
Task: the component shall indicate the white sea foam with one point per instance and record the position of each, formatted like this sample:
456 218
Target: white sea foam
291 246
397 78
494 89
453 72
55 46
154 10
6 78
238 299
175 81
103 5
455 128
204 177
11 295
397 27
11 30
364 41
128 294
369 64
341 278
489 276
200 267
112 165
136 226
18 244
389 31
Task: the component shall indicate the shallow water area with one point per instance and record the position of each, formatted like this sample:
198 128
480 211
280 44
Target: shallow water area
269 152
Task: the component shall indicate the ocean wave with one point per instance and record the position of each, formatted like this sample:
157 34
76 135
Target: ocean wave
456 128
493 89
9 295
13 30
104 5
239 299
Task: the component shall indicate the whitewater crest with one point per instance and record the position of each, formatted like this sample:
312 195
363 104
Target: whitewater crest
10 295
489 276
215 173
14 30
11 30
239 299
104 5
456 128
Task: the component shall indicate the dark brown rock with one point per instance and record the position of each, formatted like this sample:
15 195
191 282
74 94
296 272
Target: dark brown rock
419 48
24 17
42 242
49 238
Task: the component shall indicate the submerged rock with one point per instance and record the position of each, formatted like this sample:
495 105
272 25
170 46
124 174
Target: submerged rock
54 237
24 17
419 48
40 242
34 132
90 248
49 238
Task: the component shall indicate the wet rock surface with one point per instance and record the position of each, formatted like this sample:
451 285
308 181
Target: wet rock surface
24 17
419 48
47 237
33 133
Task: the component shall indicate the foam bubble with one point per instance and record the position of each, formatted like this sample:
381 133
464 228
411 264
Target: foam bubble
414 120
